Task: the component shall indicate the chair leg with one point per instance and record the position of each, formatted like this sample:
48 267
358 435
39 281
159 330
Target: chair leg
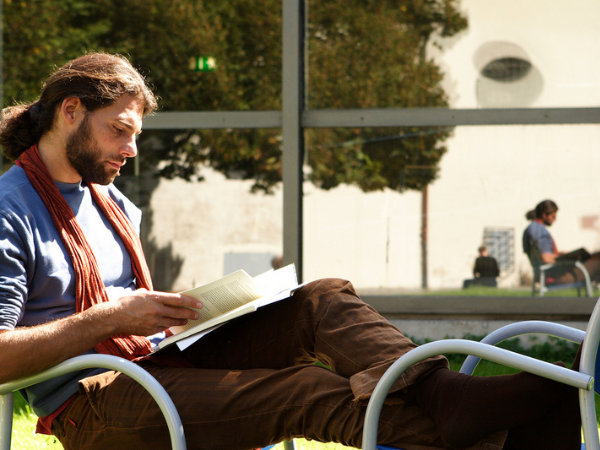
6 415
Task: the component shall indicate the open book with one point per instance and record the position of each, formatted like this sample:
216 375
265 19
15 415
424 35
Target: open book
580 254
232 296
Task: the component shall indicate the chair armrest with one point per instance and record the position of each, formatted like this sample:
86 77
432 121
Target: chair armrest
519 329
114 363
547 266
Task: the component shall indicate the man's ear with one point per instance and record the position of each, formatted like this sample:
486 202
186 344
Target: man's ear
72 110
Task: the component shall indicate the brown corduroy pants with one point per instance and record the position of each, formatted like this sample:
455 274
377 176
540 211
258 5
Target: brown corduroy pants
253 382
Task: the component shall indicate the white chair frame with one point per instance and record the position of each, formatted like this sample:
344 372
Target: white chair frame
586 283
87 362
582 379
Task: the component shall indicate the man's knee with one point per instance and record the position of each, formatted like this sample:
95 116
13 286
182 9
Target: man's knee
327 286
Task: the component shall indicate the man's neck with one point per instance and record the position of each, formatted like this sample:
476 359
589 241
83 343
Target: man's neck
54 155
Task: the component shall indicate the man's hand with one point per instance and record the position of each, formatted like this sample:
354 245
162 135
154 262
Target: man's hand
147 312
548 258
28 350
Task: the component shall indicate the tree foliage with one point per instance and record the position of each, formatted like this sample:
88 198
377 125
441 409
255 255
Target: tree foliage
373 55
362 54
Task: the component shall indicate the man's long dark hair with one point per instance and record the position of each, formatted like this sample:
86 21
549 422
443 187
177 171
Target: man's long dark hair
97 79
543 207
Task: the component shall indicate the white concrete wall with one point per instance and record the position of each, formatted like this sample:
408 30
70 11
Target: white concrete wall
203 221
371 239
493 175
559 38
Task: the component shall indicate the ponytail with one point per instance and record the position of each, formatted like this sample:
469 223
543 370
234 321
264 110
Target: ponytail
530 215
22 126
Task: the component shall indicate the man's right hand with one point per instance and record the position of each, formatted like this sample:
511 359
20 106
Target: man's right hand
145 312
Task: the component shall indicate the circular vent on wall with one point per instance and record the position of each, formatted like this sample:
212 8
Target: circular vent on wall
506 69
506 76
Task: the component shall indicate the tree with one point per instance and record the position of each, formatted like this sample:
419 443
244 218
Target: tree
373 55
362 54
38 35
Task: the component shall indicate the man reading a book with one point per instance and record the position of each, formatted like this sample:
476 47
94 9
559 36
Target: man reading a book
73 280
540 247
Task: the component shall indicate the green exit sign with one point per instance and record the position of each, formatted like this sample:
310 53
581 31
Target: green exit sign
203 64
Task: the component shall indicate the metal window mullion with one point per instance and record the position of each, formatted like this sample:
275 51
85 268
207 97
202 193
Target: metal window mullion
292 130
392 117
385 117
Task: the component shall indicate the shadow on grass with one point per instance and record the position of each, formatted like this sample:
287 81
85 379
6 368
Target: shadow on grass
20 405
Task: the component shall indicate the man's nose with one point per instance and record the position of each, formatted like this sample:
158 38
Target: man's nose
129 149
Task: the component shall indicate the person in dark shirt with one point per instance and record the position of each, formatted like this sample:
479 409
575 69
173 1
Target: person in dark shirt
485 266
485 270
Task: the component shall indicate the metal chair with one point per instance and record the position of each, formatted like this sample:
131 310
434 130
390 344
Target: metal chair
544 286
582 379
540 284
87 362
93 361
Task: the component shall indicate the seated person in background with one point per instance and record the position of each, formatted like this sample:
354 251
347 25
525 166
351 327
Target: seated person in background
539 245
485 266
485 270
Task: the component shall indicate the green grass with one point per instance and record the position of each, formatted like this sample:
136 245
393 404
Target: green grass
24 437
23 432
483 291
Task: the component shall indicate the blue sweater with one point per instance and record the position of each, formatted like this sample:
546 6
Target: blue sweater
37 281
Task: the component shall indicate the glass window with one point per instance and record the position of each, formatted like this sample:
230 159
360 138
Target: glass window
485 183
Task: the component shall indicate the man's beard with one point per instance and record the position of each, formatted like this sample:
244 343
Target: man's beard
85 156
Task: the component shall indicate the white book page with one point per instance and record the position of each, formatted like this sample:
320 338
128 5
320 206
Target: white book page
229 294
275 281
218 297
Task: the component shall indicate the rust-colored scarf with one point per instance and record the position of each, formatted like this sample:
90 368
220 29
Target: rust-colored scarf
89 287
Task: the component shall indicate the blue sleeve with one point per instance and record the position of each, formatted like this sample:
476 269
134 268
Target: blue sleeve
546 244
13 272
541 236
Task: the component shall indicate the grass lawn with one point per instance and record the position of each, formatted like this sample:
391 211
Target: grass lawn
23 431
484 291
